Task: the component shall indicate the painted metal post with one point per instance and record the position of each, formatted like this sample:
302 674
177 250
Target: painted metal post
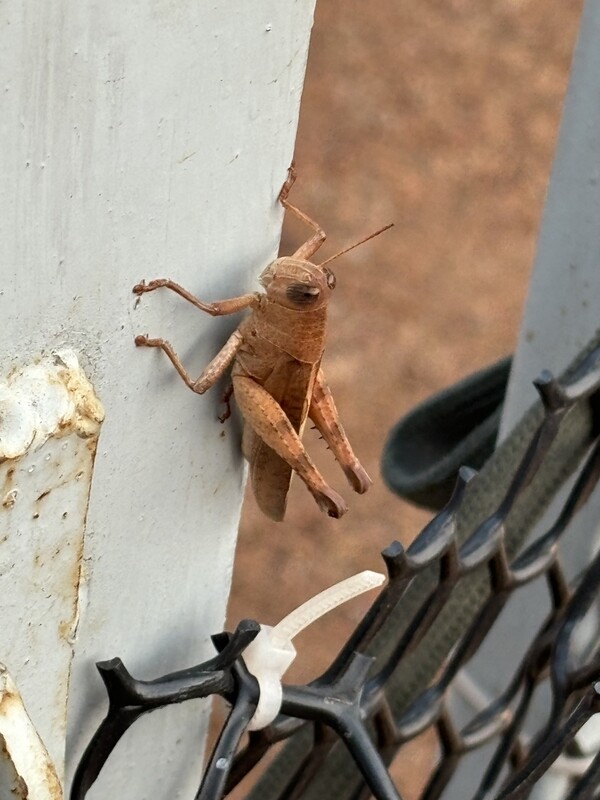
137 140
561 314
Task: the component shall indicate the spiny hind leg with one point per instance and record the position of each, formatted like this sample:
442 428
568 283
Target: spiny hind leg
268 420
310 247
324 414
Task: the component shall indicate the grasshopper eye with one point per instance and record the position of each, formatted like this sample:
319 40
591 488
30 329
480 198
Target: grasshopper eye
330 278
302 294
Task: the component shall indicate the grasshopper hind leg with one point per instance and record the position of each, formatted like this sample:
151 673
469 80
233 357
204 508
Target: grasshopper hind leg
325 416
269 423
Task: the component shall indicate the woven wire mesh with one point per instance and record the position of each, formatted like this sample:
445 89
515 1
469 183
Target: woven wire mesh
352 713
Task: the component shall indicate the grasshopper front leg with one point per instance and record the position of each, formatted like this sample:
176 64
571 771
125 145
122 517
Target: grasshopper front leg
219 308
324 414
268 420
211 373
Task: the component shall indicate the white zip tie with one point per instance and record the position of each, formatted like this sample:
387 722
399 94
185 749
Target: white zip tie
270 654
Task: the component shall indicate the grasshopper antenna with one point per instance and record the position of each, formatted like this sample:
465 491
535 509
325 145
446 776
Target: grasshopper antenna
356 244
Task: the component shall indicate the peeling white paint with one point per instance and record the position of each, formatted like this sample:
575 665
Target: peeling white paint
49 423
50 398
26 770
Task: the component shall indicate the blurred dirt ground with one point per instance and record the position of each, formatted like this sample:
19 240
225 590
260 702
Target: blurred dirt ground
441 116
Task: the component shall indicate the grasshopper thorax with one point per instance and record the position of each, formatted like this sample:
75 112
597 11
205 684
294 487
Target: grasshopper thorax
297 284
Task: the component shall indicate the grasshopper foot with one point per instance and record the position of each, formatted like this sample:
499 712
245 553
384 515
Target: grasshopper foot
142 287
330 502
289 182
227 394
358 478
142 340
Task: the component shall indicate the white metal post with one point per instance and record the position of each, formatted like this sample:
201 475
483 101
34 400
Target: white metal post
138 140
561 314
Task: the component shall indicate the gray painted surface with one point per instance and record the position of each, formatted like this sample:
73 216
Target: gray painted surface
142 140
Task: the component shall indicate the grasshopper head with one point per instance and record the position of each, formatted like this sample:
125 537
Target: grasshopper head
297 284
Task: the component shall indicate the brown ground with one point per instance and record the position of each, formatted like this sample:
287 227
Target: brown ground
442 116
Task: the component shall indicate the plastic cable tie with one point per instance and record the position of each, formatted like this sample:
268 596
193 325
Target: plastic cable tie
271 653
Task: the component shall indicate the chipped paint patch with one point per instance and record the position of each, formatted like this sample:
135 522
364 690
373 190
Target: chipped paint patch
26 770
49 424
50 398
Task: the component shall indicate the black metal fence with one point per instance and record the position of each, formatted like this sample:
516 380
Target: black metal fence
392 679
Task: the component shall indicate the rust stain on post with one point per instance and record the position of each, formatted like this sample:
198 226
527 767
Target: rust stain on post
50 421
26 770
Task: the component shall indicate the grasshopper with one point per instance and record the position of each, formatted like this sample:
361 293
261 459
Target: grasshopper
277 378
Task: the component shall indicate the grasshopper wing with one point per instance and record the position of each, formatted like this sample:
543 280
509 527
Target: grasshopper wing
270 475
290 384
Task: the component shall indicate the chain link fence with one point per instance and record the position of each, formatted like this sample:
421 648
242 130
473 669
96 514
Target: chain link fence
394 677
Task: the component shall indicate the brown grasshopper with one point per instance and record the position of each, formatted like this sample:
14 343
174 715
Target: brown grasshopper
277 376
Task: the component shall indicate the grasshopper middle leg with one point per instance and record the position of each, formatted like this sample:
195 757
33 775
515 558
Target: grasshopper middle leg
211 373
